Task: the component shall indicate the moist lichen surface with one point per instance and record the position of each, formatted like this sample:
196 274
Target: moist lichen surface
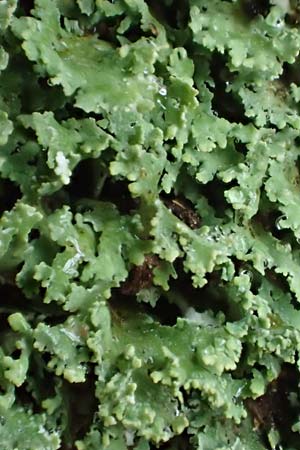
149 225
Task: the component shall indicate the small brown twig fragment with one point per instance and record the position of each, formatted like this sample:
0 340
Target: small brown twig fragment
181 209
141 276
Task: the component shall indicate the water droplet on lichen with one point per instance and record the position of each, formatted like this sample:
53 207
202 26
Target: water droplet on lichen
163 91
278 223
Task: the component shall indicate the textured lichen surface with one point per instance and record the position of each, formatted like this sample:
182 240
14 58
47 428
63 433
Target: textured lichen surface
150 224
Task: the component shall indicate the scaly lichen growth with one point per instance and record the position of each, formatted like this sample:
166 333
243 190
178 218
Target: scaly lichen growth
150 224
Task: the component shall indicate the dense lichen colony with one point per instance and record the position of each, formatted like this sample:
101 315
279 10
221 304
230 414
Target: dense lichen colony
150 224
